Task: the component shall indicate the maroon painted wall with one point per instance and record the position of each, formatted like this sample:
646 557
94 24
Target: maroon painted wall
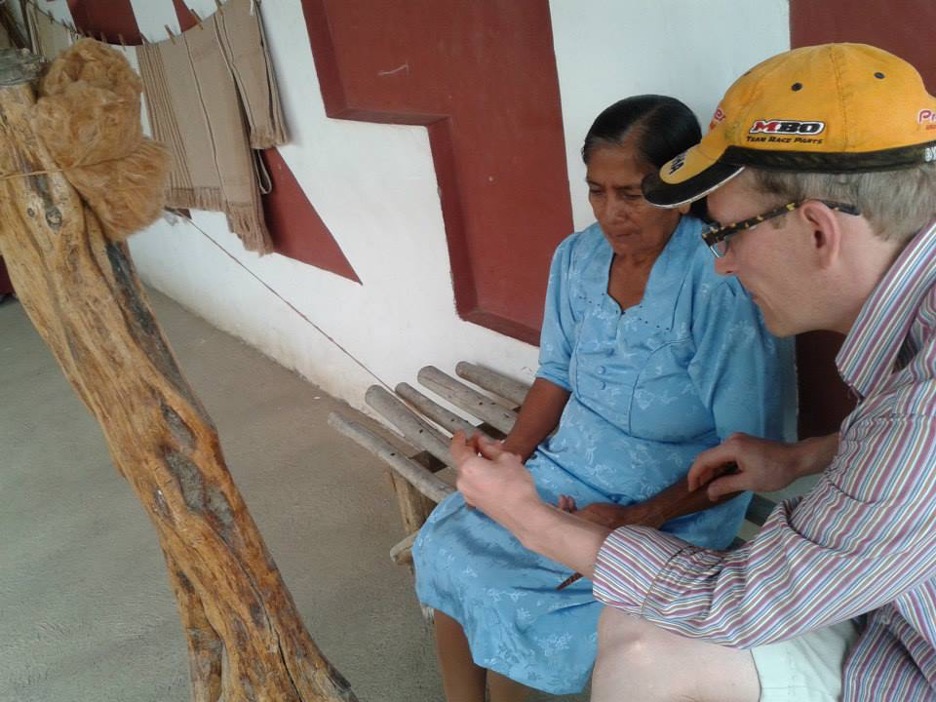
110 20
903 27
482 77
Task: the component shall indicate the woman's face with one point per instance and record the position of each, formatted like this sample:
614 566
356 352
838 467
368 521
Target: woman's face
630 223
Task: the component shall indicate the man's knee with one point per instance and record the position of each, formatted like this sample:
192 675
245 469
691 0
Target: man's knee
638 660
628 642
629 662
617 628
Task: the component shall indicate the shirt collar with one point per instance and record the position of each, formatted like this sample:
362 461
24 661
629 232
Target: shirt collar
871 349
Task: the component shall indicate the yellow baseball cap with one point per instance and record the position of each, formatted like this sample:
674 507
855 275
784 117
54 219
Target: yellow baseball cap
832 108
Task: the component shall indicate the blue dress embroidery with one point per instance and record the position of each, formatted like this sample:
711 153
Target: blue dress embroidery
651 386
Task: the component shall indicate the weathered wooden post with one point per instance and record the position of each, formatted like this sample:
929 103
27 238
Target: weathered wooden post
246 640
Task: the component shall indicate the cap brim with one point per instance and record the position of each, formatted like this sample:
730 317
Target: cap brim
693 183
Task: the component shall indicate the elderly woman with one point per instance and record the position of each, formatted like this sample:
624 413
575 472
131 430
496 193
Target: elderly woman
647 358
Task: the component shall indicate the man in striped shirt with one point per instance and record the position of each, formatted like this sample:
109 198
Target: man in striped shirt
820 164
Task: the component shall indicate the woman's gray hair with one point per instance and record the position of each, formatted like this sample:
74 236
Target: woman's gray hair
897 204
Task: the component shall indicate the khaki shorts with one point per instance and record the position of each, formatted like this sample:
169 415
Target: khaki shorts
807 668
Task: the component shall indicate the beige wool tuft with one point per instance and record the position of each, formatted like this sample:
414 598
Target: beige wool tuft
88 116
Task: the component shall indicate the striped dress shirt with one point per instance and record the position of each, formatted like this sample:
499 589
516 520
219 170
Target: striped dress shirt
861 544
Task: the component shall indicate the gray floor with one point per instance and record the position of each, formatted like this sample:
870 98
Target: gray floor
86 613
85 608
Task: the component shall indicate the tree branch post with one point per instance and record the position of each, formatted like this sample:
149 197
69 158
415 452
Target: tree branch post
246 639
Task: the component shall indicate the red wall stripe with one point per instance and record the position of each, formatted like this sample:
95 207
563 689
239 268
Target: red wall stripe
186 17
112 19
293 223
296 228
903 27
482 77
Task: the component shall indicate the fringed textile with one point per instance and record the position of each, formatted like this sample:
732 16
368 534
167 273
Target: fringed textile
241 36
195 109
49 38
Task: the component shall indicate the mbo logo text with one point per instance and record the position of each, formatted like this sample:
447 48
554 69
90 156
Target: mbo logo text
786 126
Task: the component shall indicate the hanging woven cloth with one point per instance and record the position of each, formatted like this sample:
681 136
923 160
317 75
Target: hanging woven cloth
241 36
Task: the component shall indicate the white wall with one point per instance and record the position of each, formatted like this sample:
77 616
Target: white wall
690 49
375 188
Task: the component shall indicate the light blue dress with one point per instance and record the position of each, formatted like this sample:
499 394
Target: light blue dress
651 386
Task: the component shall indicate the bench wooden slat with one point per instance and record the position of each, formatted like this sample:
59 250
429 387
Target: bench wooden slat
468 399
511 390
436 412
419 477
402 553
414 428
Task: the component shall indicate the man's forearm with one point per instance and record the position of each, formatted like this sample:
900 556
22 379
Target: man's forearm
560 536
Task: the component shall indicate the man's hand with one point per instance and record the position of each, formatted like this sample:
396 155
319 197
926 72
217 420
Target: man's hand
492 479
762 465
496 482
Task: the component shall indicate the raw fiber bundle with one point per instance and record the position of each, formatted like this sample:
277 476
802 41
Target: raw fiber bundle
88 116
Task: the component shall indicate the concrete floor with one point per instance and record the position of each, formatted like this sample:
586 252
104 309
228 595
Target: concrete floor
86 613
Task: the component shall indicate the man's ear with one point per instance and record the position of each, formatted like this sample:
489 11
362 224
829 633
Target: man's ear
684 209
826 232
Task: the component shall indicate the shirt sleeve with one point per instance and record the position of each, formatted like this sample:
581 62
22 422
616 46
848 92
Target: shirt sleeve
857 541
557 336
741 372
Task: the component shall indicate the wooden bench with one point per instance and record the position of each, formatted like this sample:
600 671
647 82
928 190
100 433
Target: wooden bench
418 454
